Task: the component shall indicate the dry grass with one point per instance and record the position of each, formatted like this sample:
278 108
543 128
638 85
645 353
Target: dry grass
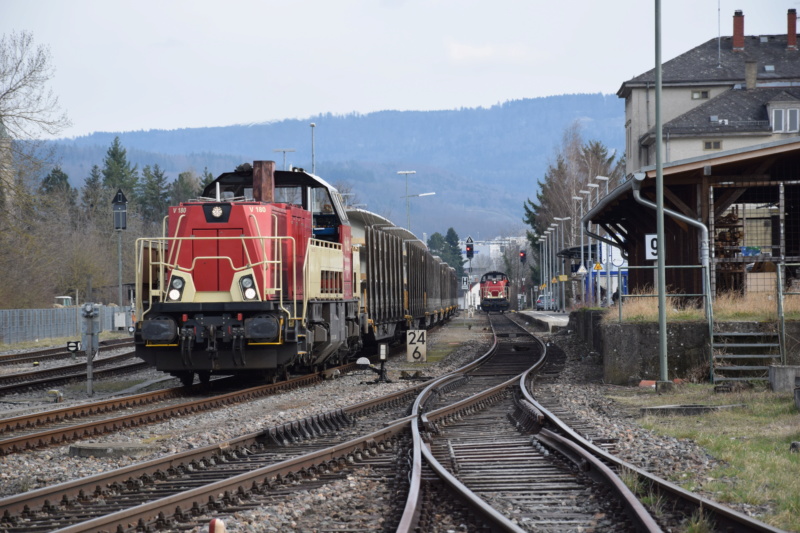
755 307
753 443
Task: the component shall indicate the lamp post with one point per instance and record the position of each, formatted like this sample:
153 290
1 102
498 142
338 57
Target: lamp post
546 236
541 265
554 226
582 269
120 204
313 166
608 251
408 211
563 265
415 196
592 281
284 150
551 238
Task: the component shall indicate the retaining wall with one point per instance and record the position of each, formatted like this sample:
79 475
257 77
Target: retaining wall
630 351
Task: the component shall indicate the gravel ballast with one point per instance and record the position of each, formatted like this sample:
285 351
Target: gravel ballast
578 387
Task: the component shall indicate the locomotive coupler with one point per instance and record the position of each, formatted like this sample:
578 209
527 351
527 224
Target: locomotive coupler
187 344
237 337
211 346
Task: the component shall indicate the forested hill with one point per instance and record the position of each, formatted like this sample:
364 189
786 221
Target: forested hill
481 162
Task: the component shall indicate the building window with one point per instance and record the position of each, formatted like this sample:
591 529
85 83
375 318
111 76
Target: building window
792 119
712 145
777 120
699 95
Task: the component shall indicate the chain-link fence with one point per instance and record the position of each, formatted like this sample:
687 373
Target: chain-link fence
26 325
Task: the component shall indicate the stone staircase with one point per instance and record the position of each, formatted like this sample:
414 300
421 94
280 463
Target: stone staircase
743 355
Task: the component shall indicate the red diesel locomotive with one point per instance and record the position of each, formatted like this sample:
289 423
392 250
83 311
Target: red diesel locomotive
262 276
494 292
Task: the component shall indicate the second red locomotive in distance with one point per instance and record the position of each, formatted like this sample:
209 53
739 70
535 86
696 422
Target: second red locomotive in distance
494 292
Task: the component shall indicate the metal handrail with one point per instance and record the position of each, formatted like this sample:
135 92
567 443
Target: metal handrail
162 247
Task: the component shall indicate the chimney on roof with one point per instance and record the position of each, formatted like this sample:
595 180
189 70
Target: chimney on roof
791 31
750 74
738 31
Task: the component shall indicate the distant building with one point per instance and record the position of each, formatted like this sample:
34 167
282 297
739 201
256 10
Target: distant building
726 94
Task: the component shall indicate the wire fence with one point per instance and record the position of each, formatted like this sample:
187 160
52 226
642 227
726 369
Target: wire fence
27 325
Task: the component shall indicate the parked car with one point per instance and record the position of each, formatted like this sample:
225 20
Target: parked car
541 300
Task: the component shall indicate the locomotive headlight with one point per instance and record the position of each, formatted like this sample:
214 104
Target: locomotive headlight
174 294
177 283
247 285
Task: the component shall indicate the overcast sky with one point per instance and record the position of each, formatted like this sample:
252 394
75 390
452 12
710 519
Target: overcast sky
126 65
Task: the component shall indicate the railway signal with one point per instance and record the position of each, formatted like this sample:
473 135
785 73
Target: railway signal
470 248
522 257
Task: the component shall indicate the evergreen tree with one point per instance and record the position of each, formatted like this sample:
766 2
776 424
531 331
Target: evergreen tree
205 180
184 188
93 193
56 183
453 254
153 194
448 249
576 165
436 243
118 172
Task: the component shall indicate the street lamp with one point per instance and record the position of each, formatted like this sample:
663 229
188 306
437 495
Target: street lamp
408 211
284 150
608 250
605 179
554 226
546 237
541 268
551 243
563 264
588 194
582 269
313 167
415 196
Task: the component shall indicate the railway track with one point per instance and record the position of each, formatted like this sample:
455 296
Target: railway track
53 354
60 426
538 470
378 439
246 466
41 379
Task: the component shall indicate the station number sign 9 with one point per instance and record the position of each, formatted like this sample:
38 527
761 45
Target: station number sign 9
416 346
651 246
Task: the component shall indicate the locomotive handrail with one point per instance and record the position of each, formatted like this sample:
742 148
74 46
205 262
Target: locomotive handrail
277 252
171 263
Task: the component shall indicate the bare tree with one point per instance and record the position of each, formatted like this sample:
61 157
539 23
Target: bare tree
28 108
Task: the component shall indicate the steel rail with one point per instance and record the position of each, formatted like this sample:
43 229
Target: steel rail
67 378
56 353
59 436
200 497
499 522
725 517
40 497
78 368
410 519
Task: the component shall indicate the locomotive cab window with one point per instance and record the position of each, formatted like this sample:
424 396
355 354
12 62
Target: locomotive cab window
327 211
289 195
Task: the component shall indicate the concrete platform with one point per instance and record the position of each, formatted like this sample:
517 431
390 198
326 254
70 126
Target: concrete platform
109 449
552 321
